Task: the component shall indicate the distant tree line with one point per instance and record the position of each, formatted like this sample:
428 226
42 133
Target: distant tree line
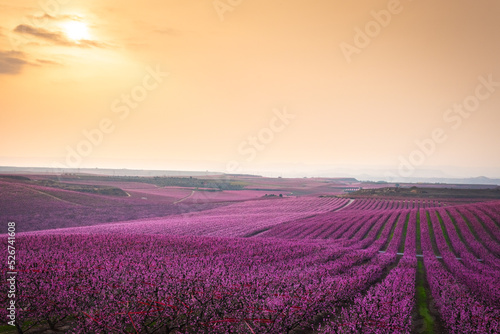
194 183
164 181
84 188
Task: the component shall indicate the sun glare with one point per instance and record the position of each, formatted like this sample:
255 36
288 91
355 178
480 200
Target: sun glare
76 31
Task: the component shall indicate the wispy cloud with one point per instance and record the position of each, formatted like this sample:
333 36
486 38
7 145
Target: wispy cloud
41 20
47 62
56 37
58 17
12 62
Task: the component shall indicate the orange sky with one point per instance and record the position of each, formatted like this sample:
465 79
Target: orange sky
361 82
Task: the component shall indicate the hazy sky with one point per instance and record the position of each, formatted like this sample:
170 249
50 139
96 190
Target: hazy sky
252 86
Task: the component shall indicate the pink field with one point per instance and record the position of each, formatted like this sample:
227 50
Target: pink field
42 208
122 185
228 195
305 264
168 194
235 220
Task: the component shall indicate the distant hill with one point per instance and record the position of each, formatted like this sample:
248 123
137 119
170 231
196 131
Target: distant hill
102 171
428 192
481 180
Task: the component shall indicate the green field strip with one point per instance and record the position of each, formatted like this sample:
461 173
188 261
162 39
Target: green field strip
349 301
486 228
460 236
379 233
473 231
486 212
445 234
391 235
418 237
371 227
432 236
401 248
423 298
469 225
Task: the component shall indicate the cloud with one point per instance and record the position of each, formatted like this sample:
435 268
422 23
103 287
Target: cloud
47 62
39 20
57 37
11 62
88 43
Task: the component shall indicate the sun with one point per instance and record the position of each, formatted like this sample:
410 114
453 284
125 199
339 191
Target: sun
76 31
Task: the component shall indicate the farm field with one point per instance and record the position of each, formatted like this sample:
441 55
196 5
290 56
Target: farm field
41 208
183 261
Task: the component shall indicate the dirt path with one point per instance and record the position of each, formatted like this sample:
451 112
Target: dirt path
52 196
345 206
184 198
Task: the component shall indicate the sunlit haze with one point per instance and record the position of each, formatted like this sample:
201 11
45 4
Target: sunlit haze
76 30
294 88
